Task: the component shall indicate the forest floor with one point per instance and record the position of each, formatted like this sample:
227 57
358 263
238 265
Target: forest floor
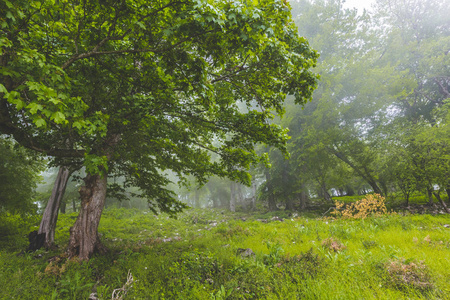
215 254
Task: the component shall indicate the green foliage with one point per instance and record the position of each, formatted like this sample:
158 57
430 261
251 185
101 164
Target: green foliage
139 88
19 175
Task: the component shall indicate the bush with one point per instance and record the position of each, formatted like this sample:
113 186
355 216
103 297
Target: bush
371 205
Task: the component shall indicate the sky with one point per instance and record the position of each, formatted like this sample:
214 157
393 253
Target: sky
359 4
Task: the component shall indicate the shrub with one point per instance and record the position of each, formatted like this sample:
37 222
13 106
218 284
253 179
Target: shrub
371 205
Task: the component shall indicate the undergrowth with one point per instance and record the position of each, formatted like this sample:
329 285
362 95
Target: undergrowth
199 255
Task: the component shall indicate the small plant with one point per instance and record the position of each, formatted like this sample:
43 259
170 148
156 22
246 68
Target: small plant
221 294
408 273
333 245
73 287
275 253
369 244
371 205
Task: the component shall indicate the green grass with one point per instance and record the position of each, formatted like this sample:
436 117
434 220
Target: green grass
201 260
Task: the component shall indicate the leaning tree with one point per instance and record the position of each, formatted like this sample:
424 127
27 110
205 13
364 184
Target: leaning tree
134 88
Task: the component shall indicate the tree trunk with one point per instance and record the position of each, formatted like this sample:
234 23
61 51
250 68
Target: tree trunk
438 197
303 199
270 197
62 207
232 197
50 216
349 191
366 175
253 203
430 196
74 205
197 198
239 196
84 239
327 197
289 204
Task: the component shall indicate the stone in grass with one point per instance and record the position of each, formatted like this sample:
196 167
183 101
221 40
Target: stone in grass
245 252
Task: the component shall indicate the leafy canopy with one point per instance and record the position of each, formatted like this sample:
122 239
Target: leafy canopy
138 87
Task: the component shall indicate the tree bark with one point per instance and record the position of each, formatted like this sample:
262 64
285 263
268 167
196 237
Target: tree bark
50 216
232 197
84 239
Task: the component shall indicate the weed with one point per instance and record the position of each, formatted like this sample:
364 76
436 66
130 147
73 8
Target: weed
333 245
221 294
299 267
74 286
409 273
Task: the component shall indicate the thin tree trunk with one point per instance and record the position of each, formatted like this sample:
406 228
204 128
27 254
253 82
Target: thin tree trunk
438 197
62 207
197 198
232 197
270 197
253 203
430 196
84 239
74 205
240 197
303 199
366 175
289 204
50 216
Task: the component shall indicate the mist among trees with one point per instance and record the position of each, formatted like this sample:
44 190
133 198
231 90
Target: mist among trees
241 106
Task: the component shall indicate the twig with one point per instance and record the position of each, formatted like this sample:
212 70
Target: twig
119 293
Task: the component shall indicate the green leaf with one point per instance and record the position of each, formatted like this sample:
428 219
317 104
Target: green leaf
140 24
34 107
40 123
3 89
58 117
77 125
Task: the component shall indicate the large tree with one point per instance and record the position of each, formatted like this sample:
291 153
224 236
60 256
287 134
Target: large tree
134 88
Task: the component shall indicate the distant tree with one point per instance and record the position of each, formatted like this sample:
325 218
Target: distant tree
134 88
19 175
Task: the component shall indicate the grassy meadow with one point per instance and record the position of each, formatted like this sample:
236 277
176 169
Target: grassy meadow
203 254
